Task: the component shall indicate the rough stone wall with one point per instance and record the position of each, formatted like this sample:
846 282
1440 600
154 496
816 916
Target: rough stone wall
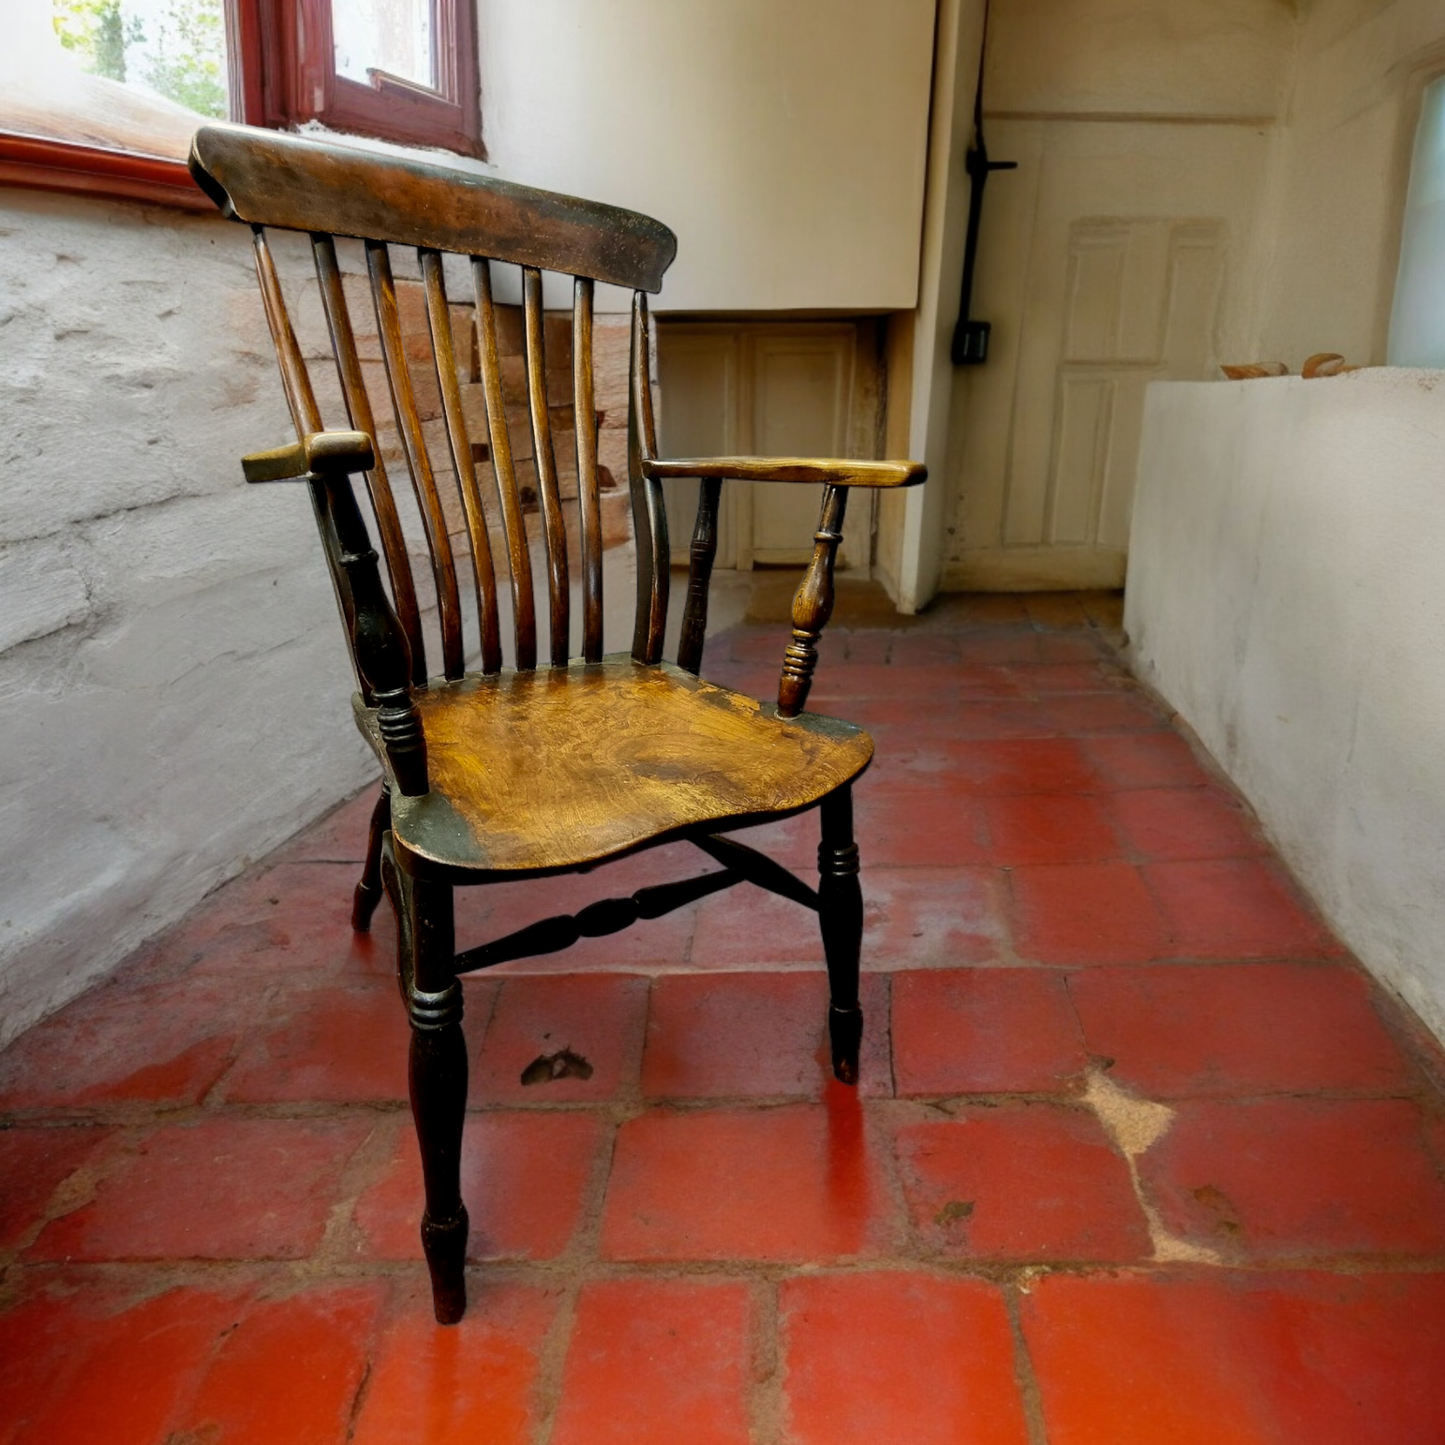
174 690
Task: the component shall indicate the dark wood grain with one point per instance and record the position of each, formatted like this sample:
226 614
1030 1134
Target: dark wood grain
554 530
649 510
413 445
307 185
514 526
588 501
812 606
699 576
840 915
484 579
358 411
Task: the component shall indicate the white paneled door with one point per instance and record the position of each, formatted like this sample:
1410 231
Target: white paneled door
805 388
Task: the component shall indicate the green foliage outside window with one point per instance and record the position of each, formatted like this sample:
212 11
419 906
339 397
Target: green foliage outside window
176 49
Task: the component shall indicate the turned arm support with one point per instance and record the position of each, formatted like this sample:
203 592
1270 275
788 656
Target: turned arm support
813 604
326 461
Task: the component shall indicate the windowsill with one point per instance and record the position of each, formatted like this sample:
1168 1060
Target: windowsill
63 130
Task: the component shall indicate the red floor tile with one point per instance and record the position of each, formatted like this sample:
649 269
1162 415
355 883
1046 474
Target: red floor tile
1184 823
796 1183
1287 1178
920 825
289 1373
1202 1358
910 649
735 1035
596 1018
984 1030
526 1177
224 1188
1145 760
933 917
1049 828
1077 714
460 1385
1242 1028
1086 913
1045 679
291 918
837 686
657 1360
33 1164
898 1357
328 1044
747 927
1021 1182
1001 646
1234 908
98 1367
163 1044
1027 765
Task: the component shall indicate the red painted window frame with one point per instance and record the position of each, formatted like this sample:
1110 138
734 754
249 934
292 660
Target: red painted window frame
284 75
273 85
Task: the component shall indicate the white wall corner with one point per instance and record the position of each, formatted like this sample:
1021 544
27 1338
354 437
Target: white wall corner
918 569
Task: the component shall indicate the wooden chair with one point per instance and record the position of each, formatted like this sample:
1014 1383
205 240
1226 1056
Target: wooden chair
504 773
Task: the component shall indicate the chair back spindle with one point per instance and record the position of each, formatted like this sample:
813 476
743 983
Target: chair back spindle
589 502
358 411
326 191
439 324
545 457
413 443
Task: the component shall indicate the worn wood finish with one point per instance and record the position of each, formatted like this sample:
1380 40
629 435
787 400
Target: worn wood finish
439 323
840 915
597 920
307 185
588 501
519 773
649 511
413 445
699 576
811 471
812 606
554 530
426 965
358 411
563 767
514 525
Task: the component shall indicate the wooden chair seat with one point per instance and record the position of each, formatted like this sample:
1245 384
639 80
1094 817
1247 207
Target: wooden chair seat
565 766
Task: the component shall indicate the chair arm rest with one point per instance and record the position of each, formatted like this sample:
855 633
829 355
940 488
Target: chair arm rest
318 454
790 469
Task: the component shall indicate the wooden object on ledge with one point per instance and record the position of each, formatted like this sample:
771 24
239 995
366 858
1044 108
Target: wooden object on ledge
494 771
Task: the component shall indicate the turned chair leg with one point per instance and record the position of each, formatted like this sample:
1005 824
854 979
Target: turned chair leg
368 891
840 913
438 1082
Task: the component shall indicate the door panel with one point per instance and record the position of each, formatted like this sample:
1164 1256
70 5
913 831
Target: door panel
767 389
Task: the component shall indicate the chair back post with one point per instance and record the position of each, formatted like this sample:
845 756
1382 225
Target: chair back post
699 576
649 510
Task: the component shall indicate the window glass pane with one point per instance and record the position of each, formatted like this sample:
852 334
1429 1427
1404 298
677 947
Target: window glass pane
170 48
1417 323
390 35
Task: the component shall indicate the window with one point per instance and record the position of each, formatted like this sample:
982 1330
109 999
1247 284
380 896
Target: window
103 95
1417 320
404 70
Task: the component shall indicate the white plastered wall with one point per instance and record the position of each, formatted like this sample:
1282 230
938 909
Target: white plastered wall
783 142
1286 596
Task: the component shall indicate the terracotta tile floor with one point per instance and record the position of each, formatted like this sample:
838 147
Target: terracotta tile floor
1140 1157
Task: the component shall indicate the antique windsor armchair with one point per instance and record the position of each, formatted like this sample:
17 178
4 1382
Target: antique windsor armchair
501 773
